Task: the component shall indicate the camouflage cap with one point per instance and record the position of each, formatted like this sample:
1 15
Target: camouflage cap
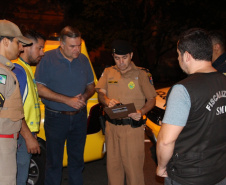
9 29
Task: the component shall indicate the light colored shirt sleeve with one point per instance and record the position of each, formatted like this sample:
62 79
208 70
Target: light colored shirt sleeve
178 106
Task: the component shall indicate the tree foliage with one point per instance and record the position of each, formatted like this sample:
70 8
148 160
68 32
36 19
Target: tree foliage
148 24
152 26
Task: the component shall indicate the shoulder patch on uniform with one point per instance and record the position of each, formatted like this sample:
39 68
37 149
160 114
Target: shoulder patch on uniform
3 79
8 63
148 74
2 100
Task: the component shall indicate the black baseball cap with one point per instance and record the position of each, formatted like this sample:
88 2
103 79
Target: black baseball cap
121 47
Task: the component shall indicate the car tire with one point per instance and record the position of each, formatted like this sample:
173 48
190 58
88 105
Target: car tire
36 174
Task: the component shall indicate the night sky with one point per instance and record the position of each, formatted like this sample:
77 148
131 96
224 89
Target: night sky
151 26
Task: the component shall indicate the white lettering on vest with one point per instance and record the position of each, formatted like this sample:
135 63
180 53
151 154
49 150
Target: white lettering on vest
221 110
215 98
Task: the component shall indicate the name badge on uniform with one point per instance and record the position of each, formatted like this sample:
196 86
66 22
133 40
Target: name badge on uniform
112 82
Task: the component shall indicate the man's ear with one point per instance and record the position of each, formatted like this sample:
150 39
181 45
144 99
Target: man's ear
5 41
187 56
62 44
216 47
131 55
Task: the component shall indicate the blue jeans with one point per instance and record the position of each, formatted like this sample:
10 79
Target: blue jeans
168 181
23 161
58 128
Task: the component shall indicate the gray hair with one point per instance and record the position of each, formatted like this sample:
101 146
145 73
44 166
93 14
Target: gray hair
69 31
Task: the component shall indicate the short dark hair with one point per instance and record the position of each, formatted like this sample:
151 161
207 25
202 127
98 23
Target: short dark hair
10 38
69 31
34 35
197 42
218 37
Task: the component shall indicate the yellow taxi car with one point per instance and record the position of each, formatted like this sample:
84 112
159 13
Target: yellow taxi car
154 118
95 140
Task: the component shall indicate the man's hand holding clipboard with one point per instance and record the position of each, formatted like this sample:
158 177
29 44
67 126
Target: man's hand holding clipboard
120 111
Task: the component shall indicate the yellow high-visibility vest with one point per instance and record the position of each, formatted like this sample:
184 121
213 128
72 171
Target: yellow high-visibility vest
31 103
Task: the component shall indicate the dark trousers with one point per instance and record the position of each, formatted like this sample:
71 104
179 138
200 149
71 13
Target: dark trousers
58 128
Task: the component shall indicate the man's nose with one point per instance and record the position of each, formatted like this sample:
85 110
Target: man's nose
42 52
121 60
77 48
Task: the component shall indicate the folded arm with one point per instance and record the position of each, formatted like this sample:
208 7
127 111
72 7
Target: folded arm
76 102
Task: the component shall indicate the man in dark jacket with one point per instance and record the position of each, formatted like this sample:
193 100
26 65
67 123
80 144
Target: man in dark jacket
191 144
219 54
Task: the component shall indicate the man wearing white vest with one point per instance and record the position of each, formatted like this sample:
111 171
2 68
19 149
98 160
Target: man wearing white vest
27 142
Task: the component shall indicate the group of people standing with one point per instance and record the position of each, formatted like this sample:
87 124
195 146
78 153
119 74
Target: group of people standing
19 110
191 144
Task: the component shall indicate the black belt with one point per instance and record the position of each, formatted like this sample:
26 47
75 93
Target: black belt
121 121
128 121
63 112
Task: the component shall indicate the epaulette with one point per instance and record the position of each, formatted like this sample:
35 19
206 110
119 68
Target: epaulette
145 69
148 74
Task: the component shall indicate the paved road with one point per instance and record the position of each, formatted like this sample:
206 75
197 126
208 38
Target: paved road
95 172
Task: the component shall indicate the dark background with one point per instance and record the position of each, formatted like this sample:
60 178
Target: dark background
152 26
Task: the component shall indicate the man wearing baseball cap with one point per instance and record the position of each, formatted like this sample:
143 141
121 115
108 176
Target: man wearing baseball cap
11 108
125 83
